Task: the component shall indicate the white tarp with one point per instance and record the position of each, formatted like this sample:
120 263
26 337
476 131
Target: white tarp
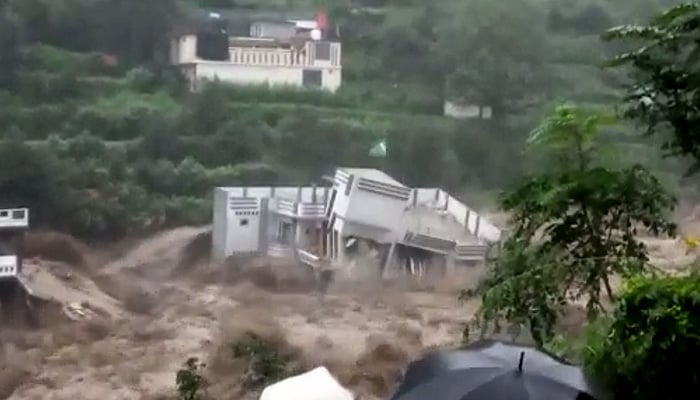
317 384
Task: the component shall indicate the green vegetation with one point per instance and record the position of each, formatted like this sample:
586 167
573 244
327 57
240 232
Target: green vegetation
652 339
572 228
266 364
189 380
576 227
115 144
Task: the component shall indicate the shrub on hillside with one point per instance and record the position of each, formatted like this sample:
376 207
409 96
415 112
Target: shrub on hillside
651 345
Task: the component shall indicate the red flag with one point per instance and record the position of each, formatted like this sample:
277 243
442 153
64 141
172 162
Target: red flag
322 20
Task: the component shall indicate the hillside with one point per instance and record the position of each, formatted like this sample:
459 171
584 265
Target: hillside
102 139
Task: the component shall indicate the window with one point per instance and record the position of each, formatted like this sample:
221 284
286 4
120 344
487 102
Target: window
323 51
244 222
312 78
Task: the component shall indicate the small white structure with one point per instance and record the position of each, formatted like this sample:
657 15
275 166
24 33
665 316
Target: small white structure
13 223
317 384
363 206
461 110
282 54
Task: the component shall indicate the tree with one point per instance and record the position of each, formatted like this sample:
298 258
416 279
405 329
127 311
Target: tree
31 178
9 47
572 229
189 380
663 94
493 56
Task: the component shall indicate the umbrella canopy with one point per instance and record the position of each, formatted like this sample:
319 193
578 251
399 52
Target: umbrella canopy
495 371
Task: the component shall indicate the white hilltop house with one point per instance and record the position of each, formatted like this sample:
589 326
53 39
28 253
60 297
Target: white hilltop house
406 228
277 53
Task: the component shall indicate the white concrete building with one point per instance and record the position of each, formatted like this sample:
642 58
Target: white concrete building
461 110
13 224
273 54
252 220
404 226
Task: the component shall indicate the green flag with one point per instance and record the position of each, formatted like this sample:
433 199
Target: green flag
379 149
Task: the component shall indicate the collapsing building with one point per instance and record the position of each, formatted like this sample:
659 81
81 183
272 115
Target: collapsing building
365 218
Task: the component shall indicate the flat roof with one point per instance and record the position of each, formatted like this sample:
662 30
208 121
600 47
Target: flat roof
373 174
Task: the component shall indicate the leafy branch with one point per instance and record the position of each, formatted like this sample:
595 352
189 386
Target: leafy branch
573 229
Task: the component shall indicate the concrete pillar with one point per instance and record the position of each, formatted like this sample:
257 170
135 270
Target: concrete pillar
342 259
245 191
313 194
415 197
299 229
478 225
450 262
299 193
447 202
295 239
466 220
387 262
263 239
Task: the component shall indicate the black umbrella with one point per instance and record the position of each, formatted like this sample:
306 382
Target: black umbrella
492 370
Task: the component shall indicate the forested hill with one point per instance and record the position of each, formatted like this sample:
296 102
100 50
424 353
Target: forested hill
101 138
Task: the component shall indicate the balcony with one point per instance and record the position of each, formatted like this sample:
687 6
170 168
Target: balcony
14 218
300 210
427 242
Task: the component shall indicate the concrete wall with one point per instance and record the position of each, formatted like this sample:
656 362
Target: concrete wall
236 225
272 29
263 74
243 226
376 208
183 50
220 225
292 193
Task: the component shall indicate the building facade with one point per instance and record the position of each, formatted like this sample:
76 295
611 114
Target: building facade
363 211
274 54
13 224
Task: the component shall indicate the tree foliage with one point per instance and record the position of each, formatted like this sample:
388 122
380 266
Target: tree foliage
488 65
663 94
651 347
131 150
572 228
190 381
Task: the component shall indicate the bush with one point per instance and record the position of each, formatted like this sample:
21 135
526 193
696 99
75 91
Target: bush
190 381
652 342
266 364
